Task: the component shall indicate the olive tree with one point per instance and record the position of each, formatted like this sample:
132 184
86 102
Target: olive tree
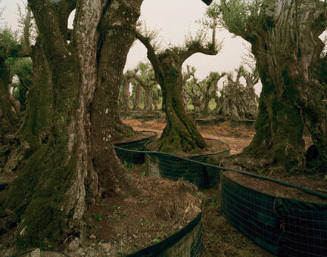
180 132
284 36
70 159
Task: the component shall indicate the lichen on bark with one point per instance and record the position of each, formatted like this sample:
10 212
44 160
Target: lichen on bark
285 42
180 133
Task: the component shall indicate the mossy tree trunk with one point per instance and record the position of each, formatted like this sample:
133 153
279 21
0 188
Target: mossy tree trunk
180 133
285 44
48 199
114 47
279 125
9 121
8 117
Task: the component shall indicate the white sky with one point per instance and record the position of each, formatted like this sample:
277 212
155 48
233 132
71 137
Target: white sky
173 19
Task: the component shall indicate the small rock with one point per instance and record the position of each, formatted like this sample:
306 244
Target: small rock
74 244
91 253
106 247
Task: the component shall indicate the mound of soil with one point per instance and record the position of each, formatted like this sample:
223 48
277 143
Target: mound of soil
239 137
158 209
275 189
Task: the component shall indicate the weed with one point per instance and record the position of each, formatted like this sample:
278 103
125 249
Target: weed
213 202
156 240
98 216
127 165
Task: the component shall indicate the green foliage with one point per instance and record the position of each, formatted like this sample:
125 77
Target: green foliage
238 16
9 43
98 217
213 202
22 68
156 240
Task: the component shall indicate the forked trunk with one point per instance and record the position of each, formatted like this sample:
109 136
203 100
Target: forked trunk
180 132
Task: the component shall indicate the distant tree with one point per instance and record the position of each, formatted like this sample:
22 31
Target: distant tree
124 95
236 101
9 47
201 92
21 70
13 61
137 92
143 76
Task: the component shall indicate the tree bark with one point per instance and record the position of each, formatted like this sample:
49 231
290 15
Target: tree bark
180 133
48 198
106 123
8 117
125 95
285 44
114 47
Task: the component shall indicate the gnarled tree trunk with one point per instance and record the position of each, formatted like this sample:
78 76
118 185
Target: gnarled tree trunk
290 95
48 199
114 47
180 133
285 44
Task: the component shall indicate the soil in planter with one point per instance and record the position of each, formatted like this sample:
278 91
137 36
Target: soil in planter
139 136
219 237
213 146
278 190
240 137
158 209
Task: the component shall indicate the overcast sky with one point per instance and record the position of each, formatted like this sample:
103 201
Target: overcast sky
173 19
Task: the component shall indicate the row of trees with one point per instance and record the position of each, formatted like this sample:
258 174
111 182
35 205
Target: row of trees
234 101
72 106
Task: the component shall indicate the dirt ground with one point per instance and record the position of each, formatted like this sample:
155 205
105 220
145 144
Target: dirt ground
237 138
157 210
220 238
